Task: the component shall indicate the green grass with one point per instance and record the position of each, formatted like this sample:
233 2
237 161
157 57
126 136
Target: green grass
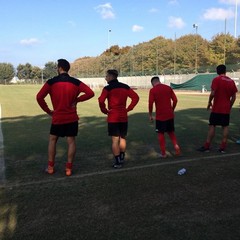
150 202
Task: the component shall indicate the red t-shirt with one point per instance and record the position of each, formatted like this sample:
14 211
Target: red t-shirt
224 88
64 92
117 94
164 98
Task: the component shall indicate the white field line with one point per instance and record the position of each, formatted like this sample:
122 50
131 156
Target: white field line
117 171
2 162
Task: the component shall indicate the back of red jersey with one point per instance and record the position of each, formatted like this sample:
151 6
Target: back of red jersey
224 88
163 97
117 94
64 92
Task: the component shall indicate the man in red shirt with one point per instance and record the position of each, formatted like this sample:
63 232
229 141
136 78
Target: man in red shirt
223 95
165 102
117 94
65 93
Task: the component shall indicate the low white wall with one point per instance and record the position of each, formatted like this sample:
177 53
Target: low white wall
145 81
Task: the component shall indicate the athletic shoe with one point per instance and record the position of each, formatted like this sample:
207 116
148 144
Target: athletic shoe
117 165
49 170
163 155
177 151
68 172
238 141
221 150
203 149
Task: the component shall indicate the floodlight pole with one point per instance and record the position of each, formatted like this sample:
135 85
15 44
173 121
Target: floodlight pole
235 25
109 31
196 54
225 32
42 74
174 63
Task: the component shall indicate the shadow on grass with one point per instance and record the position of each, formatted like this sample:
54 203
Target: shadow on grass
149 204
26 142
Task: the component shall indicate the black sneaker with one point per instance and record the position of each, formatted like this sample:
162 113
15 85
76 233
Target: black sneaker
203 149
117 165
221 150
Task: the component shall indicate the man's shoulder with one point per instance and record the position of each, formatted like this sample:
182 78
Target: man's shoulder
64 78
75 81
52 80
162 86
116 84
223 77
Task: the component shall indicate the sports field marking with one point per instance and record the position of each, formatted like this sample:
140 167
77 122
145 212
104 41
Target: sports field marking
2 163
115 171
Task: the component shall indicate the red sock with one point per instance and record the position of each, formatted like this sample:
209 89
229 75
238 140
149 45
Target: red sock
223 145
69 165
173 138
161 140
51 163
207 145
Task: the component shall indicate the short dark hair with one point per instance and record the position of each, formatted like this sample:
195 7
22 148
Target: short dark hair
221 69
155 78
113 72
64 64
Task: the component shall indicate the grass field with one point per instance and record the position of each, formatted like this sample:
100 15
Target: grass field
146 199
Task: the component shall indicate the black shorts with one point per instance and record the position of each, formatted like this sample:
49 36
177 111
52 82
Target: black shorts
165 126
64 130
219 119
118 129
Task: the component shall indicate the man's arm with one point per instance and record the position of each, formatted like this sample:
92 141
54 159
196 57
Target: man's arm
88 93
174 101
101 101
211 97
150 105
41 98
134 99
233 99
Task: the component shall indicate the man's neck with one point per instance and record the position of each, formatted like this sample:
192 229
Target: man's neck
61 72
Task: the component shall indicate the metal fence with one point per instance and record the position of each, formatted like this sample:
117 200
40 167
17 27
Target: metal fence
145 81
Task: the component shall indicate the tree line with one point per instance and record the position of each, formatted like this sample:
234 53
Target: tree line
188 54
27 72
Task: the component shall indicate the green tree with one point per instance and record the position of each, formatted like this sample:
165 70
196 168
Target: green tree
24 71
162 56
50 70
36 74
223 48
7 72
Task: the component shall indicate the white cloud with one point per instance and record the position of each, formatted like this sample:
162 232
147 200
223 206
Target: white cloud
106 11
29 42
173 2
72 23
137 28
218 14
230 2
174 22
153 10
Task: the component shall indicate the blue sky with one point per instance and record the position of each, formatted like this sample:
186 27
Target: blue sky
38 31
